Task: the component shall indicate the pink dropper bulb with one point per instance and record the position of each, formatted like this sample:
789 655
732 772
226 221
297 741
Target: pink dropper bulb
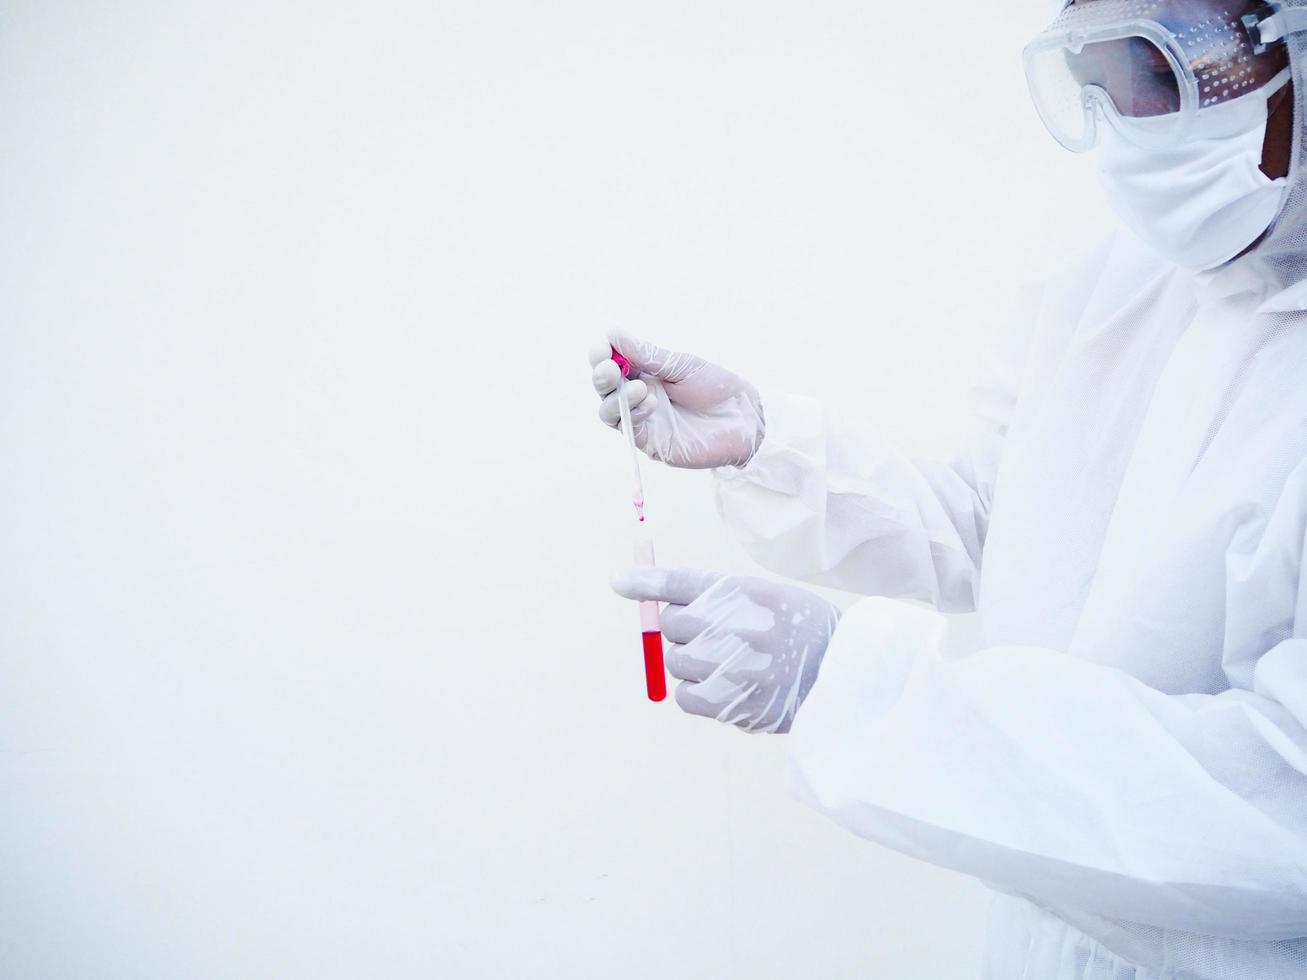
622 363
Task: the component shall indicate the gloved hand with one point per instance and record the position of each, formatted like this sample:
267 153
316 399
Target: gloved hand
746 649
684 411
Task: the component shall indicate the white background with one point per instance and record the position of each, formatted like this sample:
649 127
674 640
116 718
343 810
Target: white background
308 667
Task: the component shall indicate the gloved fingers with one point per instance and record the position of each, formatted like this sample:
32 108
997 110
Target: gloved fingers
719 654
600 353
716 697
648 358
739 704
732 652
606 376
680 626
680 586
692 702
643 406
684 666
637 397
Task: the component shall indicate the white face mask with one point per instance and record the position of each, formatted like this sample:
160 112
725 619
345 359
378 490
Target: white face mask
1203 201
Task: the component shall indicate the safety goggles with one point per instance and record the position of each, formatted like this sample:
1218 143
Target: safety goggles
1149 67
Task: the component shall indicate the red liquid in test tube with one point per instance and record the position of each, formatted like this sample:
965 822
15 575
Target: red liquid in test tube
655 680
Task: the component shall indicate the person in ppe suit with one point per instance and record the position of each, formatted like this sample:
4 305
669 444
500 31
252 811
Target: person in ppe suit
1124 758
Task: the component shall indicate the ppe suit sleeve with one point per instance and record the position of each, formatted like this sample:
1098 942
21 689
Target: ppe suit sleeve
1065 780
832 502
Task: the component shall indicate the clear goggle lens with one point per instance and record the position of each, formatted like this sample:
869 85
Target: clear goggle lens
1127 77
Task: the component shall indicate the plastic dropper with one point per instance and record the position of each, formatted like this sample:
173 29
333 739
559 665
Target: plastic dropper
651 636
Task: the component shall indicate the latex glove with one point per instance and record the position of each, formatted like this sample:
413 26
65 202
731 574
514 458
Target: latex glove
746 649
685 411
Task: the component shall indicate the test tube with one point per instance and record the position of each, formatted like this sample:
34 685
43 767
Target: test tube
651 630
651 635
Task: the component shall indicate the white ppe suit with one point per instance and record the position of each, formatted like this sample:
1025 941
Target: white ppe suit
1125 758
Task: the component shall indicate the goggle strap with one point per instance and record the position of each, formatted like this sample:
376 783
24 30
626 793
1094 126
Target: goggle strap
1273 23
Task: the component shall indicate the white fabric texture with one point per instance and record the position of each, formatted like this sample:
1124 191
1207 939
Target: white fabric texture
1127 750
